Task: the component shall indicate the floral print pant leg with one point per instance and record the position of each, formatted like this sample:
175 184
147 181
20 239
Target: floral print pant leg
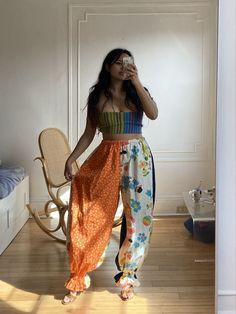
137 189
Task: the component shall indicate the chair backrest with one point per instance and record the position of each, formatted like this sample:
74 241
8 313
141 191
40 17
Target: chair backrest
55 149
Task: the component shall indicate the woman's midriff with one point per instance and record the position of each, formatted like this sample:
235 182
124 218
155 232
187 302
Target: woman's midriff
120 137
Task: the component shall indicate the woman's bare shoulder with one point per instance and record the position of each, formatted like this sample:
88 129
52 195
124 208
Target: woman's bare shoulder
101 102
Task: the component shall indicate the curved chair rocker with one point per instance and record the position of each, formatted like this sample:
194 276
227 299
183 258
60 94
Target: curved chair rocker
55 149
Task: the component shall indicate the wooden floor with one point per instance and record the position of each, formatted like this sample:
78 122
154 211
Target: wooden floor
173 279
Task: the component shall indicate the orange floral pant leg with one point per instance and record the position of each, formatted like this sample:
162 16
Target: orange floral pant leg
93 204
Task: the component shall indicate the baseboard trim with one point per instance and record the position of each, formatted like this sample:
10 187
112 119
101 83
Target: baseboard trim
171 214
227 292
226 302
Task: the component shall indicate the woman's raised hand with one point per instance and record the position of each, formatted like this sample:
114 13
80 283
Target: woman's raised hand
132 73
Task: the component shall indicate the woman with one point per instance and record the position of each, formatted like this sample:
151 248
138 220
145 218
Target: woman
121 163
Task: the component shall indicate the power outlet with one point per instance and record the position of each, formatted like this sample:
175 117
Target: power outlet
181 209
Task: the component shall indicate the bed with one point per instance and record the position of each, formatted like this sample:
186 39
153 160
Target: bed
14 195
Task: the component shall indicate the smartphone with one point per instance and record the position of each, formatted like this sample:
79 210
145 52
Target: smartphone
127 61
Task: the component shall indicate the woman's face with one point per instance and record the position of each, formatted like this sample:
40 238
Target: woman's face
117 70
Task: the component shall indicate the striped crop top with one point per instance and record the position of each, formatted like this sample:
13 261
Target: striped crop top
120 122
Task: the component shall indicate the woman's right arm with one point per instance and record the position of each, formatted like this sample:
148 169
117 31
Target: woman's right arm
83 143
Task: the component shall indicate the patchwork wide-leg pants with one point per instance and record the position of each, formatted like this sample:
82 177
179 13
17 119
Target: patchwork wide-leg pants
113 167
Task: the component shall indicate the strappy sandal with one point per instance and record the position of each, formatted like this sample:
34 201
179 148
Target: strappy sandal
71 297
128 291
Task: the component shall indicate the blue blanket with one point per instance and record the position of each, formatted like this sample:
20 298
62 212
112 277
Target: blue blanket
10 176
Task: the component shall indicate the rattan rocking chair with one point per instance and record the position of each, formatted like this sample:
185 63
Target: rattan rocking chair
55 149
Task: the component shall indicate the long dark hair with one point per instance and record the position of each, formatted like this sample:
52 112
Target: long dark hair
103 83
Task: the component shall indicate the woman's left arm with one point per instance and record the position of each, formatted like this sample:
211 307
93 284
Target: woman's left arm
149 105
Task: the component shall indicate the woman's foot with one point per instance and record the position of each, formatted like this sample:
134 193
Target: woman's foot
127 293
69 297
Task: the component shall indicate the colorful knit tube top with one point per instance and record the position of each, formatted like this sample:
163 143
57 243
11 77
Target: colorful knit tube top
120 122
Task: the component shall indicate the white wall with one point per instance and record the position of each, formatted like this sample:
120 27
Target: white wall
226 161
178 68
33 80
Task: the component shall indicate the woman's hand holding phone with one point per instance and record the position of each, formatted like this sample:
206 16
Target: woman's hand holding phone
130 69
